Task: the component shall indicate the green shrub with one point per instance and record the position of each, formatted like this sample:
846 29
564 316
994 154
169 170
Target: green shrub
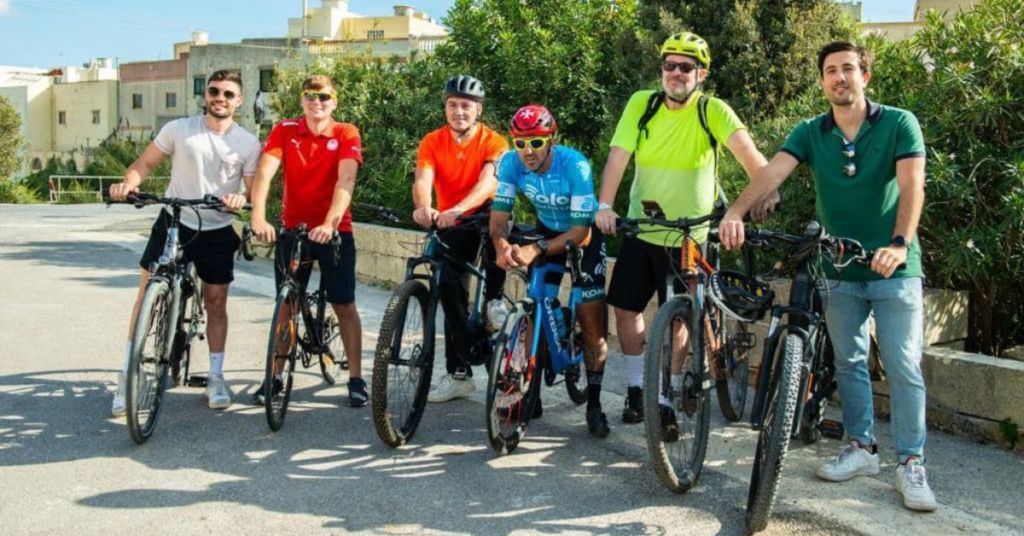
17 193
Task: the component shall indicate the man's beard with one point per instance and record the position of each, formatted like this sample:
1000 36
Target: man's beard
219 115
842 100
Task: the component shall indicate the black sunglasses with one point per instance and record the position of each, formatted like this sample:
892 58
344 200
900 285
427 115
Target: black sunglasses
214 91
684 67
849 151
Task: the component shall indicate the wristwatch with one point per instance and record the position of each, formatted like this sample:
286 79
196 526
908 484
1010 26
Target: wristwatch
898 241
603 206
543 245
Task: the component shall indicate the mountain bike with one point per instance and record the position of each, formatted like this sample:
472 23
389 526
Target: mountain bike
539 338
302 327
404 358
794 359
715 343
171 316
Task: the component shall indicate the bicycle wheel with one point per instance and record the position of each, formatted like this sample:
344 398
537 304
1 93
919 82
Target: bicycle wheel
334 361
148 365
822 385
403 363
773 441
731 359
677 461
516 286
513 385
575 384
282 348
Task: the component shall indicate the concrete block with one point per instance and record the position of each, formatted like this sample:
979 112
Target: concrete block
976 385
1016 353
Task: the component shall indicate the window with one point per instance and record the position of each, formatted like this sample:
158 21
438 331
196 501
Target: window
199 85
95 117
171 100
136 101
62 118
266 79
374 34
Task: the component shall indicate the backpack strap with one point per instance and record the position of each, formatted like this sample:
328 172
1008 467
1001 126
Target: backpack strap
702 113
653 104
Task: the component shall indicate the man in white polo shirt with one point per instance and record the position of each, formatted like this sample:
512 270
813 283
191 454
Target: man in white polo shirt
210 154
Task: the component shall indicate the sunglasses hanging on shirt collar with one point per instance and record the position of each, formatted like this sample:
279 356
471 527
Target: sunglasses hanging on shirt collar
849 151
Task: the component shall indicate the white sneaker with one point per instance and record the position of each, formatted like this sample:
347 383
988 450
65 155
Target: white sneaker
117 408
852 461
450 388
218 394
912 484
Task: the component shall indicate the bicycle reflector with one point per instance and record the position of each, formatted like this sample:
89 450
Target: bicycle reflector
740 296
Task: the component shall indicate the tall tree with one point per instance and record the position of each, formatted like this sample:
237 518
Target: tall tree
11 141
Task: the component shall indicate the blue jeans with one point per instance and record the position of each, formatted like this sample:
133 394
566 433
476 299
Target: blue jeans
898 306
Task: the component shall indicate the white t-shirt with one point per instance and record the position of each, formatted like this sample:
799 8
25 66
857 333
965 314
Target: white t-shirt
204 162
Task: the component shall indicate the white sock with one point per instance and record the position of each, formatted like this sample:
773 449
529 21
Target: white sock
677 382
127 356
216 363
663 400
634 370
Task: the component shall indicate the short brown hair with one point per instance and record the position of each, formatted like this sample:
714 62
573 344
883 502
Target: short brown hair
225 75
317 82
866 59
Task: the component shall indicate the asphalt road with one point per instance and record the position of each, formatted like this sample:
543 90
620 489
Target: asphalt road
67 278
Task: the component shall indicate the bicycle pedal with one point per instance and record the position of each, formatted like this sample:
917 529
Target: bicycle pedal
832 429
196 381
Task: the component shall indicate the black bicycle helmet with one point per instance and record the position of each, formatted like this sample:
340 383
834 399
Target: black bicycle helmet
465 86
739 295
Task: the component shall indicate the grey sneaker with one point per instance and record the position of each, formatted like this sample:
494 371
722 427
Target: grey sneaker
117 408
852 461
450 388
912 484
218 394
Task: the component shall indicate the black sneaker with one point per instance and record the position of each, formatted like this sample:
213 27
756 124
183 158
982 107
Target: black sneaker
669 425
357 395
257 397
634 411
597 423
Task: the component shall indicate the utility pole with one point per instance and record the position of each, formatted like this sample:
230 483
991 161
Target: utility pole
305 18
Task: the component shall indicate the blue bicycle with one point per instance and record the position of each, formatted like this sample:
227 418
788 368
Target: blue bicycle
539 338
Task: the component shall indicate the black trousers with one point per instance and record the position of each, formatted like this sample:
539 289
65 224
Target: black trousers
458 339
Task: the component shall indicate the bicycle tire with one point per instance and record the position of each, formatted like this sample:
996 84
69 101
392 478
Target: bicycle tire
733 366
693 403
148 364
820 389
773 441
334 361
513 383
282 344
575 384
402 365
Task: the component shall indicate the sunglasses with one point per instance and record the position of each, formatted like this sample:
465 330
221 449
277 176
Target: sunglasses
317 95
849 151
684 67
214 91
536 143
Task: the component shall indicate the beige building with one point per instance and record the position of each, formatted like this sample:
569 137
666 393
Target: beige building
30 92
897 31
85 103
152 94
333 29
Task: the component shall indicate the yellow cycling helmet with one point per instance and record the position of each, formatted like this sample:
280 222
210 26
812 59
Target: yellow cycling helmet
688 44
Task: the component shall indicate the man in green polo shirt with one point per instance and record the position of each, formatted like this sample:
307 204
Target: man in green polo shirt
674 135
868 164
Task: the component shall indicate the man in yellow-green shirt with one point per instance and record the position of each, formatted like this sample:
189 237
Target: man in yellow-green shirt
674 135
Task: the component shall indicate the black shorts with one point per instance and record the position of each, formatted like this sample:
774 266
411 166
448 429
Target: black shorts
594 264
641 270
339 279
212 252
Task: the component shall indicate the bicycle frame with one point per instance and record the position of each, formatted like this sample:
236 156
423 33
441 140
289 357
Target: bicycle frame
314 323
543 295
170 269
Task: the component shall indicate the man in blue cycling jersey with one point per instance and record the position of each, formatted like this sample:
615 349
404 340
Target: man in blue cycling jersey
559 182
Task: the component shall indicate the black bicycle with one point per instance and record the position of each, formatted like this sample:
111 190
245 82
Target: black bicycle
788 368
303 326
171 316
404 359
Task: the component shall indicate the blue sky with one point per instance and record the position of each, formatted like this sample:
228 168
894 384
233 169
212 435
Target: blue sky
51 33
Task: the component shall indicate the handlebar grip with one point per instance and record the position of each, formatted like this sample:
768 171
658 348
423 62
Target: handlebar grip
246 243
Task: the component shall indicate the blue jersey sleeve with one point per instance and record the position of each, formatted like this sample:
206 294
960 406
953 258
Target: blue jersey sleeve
508 174
582 202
